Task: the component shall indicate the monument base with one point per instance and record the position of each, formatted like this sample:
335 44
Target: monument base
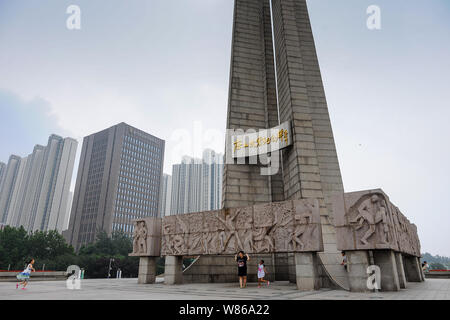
413 270
357 264
223 269
392 270
385 259
173 271
147 270
306 270
279 266
400 270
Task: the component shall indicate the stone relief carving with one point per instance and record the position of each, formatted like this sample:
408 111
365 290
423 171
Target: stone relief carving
140 238
289 226
371 211
147 237
367 220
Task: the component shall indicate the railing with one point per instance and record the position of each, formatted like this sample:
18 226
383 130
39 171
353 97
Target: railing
22 270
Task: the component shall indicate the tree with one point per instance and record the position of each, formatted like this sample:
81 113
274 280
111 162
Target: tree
13 247
51 249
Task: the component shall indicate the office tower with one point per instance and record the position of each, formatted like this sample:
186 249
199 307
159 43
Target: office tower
197 183
34 191
166 194
119 180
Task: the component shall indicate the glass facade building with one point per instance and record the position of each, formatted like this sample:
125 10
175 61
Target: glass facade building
119 180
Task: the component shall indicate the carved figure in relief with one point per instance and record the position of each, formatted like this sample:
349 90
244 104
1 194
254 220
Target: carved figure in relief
209 242
168 245
183 225
140 238
178 244
195 241
248 241
229 231
244 218
372 212
281 229
303 221
263 241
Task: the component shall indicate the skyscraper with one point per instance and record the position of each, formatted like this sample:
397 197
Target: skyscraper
166 194
69 208
197 183
2 171
7 186
34 190
119 180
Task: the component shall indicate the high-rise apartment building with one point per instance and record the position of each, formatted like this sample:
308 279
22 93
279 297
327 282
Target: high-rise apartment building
166 194
34 190
69 208
2 170
119 180
197 184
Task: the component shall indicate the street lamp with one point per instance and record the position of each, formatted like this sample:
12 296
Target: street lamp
109 269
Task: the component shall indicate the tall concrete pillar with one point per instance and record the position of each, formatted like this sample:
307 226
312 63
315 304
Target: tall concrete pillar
400 270
147 270
173 273
357 264
422 275
385 259
306 270
412 268
310 167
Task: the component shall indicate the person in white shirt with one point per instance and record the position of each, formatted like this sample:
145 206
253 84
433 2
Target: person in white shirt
262 273
24 276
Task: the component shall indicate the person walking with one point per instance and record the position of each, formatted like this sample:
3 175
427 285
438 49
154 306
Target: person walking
262 273
24 276
241 258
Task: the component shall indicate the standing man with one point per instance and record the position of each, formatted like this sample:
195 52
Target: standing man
241 259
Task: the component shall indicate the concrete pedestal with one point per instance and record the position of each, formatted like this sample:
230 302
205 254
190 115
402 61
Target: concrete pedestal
173 273
400 270
412 268
306 270
422 274
147 270
385 259
357 264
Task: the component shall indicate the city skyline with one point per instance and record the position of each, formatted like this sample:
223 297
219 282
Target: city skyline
386 89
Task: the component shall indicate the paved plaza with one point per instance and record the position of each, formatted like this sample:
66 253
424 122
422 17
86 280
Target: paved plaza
118 289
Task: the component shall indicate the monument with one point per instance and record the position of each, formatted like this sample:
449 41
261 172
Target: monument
288 208
373 231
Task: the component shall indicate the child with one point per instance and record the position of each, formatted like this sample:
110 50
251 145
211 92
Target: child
24 276
261 273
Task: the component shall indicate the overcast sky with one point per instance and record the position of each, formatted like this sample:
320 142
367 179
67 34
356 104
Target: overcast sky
163 66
